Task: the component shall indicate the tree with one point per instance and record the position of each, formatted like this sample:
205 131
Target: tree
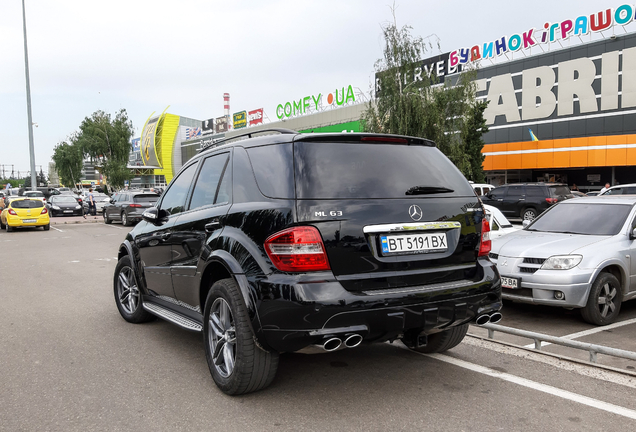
107 142
69 160
472 136
423 108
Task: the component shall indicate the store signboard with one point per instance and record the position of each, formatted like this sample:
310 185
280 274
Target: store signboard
314 103
239 120
148 152
221 124
136 145
255 117
207 126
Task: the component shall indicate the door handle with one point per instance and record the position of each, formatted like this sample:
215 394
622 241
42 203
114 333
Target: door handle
212 226
522 199
163 236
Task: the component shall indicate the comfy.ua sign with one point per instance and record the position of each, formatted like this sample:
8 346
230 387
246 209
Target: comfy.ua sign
313 103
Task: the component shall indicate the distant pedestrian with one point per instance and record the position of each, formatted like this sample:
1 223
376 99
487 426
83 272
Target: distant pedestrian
574 187
92 208
607 186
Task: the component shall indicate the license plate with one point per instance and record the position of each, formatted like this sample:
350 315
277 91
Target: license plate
29 220
413 243
510 282
68 211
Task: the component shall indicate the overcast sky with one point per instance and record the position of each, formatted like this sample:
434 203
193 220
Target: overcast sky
144 55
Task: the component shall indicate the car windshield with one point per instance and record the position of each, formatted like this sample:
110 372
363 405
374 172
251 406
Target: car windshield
64 199
34 194
559 190
27 204
583 218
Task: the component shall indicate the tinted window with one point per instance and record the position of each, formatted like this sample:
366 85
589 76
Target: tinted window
535 191
516 191
206 187
591 219
348 170
149 198
497 193
27 204
559 190
273 168
174 198
478 191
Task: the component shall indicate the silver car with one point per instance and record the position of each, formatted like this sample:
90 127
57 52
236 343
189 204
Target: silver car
576 255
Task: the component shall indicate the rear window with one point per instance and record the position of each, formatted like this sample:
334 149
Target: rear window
590 219
146 198
27 204
34 194
353 170
559 190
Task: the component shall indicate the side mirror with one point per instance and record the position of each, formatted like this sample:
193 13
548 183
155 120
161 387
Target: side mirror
155 216
632 236
525 223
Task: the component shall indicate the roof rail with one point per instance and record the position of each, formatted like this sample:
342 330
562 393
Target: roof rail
249 135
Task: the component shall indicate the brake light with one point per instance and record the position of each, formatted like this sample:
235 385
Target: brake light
134 205
384 139
12 212
551 200
44 211
485 245
297 249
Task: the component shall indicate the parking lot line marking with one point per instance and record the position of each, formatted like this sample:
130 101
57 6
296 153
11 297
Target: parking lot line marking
564 394
113 226
589 331
56 229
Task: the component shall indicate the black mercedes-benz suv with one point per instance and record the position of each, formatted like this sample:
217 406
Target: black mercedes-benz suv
292 242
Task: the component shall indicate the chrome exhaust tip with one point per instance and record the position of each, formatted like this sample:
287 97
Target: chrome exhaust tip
332 344
496 317
353 341
482 319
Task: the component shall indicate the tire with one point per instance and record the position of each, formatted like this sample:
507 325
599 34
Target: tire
443 341
124 219
529 214
9 228
47 227
1 225
604 301
240 365
127 294
107 221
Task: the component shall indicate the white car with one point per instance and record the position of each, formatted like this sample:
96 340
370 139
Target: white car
499 225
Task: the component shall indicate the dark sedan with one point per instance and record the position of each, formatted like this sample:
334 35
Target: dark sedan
64 205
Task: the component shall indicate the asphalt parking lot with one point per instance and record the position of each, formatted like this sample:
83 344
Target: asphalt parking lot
71 363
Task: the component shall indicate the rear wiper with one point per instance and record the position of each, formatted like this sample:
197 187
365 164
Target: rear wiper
423 190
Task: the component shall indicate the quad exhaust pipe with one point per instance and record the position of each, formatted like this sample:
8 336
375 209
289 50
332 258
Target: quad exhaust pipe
335 343
493 318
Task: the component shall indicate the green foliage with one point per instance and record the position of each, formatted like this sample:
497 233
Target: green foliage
425 108
472 137
105 141
68 160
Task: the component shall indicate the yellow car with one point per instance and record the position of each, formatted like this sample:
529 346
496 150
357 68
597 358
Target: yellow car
25 212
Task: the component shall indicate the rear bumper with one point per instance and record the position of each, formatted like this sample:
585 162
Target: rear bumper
306 313
16 221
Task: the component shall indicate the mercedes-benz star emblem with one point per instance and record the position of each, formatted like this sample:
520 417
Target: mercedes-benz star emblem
415 212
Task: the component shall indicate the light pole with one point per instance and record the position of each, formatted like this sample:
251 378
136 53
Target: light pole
34 184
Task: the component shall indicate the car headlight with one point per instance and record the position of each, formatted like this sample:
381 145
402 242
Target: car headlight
77 207
561 262
56 207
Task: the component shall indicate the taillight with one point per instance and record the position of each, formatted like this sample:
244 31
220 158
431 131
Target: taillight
551 200
44 211
485 245
134 205
297 249
12 212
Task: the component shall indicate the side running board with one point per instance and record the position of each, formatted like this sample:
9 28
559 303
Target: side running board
173 317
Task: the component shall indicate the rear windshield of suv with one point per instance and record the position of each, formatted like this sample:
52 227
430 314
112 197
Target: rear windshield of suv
27 204
146 198
559 190
354 170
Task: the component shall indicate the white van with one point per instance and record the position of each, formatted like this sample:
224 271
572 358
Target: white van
482 188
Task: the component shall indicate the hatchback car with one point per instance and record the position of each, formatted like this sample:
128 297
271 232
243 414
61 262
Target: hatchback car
128 206
288 242
25 212
526 200
64 205
576 255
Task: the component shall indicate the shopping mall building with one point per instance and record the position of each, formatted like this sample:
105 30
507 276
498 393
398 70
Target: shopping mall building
562 106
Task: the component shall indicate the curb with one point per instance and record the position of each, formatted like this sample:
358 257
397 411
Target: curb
73 222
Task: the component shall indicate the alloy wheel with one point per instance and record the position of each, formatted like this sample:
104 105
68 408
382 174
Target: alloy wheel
606 298
127 290
222 337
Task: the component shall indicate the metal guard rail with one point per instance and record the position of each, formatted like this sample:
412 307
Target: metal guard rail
540 337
